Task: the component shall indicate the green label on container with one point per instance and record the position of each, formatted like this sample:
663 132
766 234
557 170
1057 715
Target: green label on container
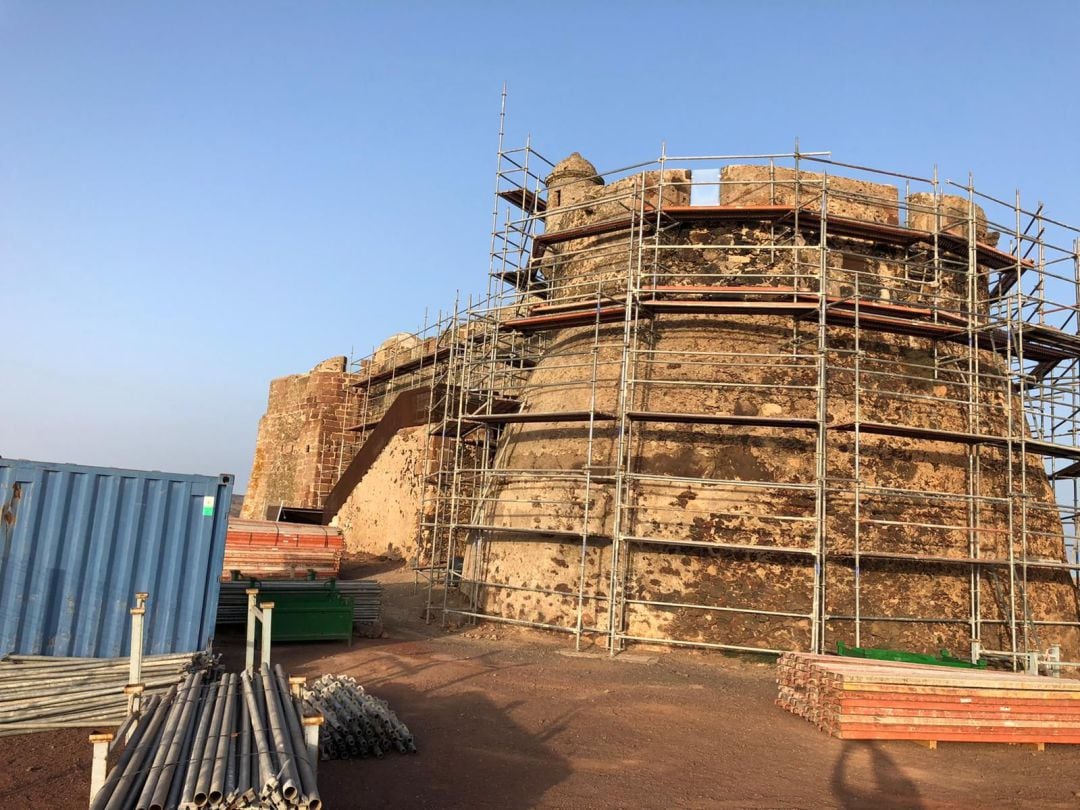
208 506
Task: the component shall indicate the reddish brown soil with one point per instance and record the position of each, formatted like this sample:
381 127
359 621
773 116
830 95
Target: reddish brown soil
509 719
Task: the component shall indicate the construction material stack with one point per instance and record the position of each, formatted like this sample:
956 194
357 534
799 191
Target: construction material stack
366 595
357 724
38 693
265 549
238 741
856 699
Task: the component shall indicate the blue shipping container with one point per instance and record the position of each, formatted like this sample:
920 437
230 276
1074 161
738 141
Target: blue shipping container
77 543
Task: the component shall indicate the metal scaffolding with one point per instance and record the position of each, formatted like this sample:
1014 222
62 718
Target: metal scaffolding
895 323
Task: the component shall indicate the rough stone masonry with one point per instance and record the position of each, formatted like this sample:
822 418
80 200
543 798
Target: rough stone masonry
716 484
303 441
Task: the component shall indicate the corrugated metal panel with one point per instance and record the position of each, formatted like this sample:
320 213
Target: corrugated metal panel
77 543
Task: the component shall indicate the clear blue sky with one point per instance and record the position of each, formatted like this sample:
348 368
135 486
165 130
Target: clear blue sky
197 197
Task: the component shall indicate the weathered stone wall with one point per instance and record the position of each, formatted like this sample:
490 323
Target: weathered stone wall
302 443
382 516
762 487
749 186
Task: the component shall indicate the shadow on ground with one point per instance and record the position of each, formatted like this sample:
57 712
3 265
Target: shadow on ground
470 754
887 785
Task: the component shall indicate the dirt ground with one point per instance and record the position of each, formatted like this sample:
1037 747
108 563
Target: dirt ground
508 718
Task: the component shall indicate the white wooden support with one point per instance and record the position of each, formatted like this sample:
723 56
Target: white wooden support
266 614
138 614
311 723
134 703
1053 659
296 686
1033 663
252 615
100 762
262 612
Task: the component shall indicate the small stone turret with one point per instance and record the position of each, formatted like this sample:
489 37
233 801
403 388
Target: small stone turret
570 183
572 170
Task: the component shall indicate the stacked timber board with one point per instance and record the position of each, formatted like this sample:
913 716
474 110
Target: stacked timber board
859 699
265 549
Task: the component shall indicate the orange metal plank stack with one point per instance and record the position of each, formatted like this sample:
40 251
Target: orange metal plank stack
263 549
860 699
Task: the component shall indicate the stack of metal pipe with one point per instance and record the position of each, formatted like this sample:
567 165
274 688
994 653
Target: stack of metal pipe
40 692
235 742
366 593
355 724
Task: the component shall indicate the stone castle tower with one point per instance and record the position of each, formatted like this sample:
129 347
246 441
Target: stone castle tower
721 446
760 408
